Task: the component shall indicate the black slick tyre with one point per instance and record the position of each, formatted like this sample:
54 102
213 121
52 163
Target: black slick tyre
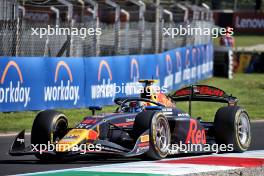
232 126
159 133
48 127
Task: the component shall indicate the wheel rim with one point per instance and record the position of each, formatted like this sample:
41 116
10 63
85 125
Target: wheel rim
243 129
60 127
162 139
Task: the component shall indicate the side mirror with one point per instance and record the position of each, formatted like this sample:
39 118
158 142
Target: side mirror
95 108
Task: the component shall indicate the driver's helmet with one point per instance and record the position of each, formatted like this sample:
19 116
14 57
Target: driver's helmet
135 106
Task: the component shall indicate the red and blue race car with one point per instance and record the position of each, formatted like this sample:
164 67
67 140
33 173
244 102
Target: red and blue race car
149 125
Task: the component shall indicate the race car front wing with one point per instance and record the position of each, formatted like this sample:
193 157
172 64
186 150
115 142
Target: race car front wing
19 148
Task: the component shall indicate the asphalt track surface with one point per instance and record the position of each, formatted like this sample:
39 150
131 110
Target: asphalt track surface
25 164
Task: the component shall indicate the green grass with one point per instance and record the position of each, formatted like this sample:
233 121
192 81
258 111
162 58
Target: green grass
16 121
245 40
249 88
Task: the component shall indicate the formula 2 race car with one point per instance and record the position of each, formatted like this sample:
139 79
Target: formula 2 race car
141 126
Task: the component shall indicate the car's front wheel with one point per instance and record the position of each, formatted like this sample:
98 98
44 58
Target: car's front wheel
160 137
48 127
159 132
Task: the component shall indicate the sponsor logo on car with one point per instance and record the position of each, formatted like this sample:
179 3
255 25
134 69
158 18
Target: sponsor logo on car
195 135
69 139
183 114
167 111
143 148
201 90
89 121
144 138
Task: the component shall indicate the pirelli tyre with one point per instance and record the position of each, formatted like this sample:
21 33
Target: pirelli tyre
48 127
232 126
159 135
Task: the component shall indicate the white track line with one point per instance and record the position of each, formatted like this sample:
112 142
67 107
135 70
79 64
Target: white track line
12 134
153 167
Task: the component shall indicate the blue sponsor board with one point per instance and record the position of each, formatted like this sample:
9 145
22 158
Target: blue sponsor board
28 83
110 77
20 84
64 83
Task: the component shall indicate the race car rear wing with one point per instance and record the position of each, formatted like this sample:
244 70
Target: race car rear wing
203 93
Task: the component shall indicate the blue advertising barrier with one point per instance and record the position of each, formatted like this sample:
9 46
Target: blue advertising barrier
21 83
30 83
65 82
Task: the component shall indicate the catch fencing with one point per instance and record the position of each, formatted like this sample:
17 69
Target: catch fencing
119 37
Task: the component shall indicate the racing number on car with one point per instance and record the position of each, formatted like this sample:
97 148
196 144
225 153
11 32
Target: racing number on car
195 136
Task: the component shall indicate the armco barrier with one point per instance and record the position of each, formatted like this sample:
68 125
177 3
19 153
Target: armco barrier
28 83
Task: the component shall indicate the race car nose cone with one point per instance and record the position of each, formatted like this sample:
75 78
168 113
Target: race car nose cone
72 139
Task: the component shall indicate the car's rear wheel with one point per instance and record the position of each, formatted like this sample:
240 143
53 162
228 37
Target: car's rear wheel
159 135
232 126
48 127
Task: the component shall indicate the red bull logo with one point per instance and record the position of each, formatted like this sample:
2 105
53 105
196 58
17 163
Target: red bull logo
14 92
105 89
195 135
64 91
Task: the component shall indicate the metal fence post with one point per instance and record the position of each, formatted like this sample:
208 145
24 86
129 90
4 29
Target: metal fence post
83 6
47 45
70 21
185 18
161 49
186 12
142 10
170 24
57 12
157 27
18 27
117 25
126 13
96 38
141 24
